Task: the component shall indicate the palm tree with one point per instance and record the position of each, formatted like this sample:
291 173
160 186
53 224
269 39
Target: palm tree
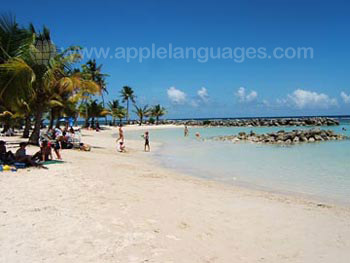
44 80
14 42
120 113
141 112
92 110
157 111
127 94
94 71
113 106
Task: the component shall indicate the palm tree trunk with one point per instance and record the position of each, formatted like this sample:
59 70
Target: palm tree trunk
103 103
57 122
141 119
157 120
34 137
27 124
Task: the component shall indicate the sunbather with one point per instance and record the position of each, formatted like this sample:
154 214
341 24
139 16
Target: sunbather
6 156
22 157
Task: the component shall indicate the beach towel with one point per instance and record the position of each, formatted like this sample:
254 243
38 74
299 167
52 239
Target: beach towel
53 162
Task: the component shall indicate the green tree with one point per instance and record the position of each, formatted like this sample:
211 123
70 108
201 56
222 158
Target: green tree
142 112
93 110
127 94
157 111
94 71
44 74
112 107
120 113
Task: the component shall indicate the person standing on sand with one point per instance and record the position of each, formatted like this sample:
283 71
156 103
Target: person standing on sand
121 133
147 146
186 132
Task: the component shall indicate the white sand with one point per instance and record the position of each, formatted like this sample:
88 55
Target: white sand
103 206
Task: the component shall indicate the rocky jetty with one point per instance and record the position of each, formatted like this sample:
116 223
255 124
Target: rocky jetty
260 122
283 137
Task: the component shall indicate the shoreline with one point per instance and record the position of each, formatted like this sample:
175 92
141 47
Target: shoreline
303 197
103 206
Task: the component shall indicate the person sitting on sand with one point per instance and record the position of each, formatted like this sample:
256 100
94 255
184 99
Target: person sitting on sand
121 134
121 147
6 156
45 153
22 157
147 146
9 132
58 132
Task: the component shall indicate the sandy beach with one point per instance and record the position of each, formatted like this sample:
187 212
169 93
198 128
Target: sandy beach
104 206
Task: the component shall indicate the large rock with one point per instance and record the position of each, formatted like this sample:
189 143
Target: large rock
282 137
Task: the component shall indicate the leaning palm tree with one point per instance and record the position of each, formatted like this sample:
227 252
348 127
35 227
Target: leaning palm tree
141 112
157 111
127 94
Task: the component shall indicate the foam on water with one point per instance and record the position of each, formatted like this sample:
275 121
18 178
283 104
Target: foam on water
320 170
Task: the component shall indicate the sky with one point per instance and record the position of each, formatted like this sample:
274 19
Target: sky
246 59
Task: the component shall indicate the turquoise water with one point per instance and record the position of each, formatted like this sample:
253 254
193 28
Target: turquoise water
320 170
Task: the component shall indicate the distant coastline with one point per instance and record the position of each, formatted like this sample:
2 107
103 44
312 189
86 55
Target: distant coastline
266 117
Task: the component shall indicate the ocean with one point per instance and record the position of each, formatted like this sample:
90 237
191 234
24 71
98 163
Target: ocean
320 171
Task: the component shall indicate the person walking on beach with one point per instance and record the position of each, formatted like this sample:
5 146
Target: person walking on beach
121 134
147 146
186 132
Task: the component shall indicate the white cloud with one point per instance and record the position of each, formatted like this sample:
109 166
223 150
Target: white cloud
345 97
176 96
203 94
309 99
244 97
252 96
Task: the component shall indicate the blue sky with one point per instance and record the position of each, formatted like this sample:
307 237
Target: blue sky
219 87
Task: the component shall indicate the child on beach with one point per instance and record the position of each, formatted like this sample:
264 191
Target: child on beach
121 147
147 146
45 153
